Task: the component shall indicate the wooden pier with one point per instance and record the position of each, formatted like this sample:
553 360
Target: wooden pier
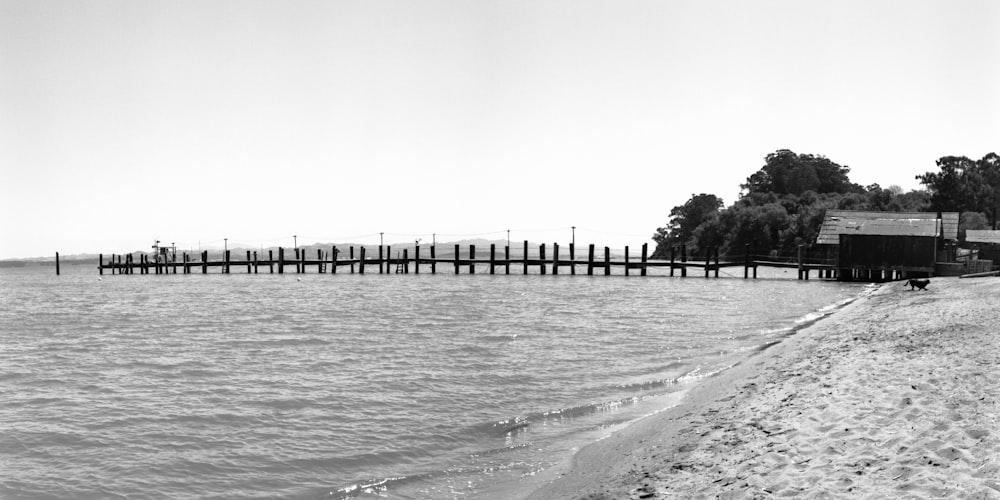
360 260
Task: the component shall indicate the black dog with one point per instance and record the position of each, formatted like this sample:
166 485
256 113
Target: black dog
915 284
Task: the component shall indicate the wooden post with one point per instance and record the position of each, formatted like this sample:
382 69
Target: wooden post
361 261
57 263
319 264
457 251
281 260
590 259
256 263
433 261
406 261
572 259
270 261
472 259
351 258
716 252
416 259
249 263
555 259
524 256
607 261
301 266
673 252
684 259
493 258
100 264
506 258
626 260
800 261
541 257
333 259
380 259
746 261
227 260
645 249
708 260
204 262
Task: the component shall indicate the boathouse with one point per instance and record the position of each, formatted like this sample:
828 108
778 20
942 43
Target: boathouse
881 246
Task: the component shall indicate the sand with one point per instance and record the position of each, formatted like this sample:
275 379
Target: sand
895 396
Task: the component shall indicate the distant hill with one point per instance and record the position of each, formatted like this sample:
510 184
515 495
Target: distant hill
443 250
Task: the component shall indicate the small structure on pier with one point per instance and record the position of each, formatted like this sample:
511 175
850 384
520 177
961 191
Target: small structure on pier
879 246
164 254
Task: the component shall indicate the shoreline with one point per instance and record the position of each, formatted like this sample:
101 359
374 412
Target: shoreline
893 395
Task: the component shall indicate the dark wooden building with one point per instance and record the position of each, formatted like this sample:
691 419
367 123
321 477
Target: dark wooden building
881 246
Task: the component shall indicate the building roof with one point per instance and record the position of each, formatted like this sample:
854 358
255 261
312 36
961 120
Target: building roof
982 236
925 224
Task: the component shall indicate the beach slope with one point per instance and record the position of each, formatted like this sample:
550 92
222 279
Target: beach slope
895 396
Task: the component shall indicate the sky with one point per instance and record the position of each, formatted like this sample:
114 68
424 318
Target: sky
250 122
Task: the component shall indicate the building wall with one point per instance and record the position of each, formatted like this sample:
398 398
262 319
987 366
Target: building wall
904 253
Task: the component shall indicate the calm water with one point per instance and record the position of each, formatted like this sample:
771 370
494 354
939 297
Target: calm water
350 386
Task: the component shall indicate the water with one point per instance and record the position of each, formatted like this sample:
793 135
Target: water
351 386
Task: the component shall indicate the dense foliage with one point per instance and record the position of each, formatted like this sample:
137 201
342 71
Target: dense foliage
964 185
780 207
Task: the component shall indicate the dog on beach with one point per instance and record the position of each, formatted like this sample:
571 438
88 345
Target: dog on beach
915 284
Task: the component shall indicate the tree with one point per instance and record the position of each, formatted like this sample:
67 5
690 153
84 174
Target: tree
684 219
964 185
950 188
785 172
784 203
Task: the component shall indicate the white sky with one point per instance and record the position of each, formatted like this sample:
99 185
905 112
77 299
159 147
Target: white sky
192 121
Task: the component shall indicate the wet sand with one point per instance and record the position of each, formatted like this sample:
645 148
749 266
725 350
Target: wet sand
895 396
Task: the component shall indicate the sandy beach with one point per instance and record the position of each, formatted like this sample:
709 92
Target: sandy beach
895 396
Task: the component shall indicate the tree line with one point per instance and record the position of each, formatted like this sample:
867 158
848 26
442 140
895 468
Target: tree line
782 205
